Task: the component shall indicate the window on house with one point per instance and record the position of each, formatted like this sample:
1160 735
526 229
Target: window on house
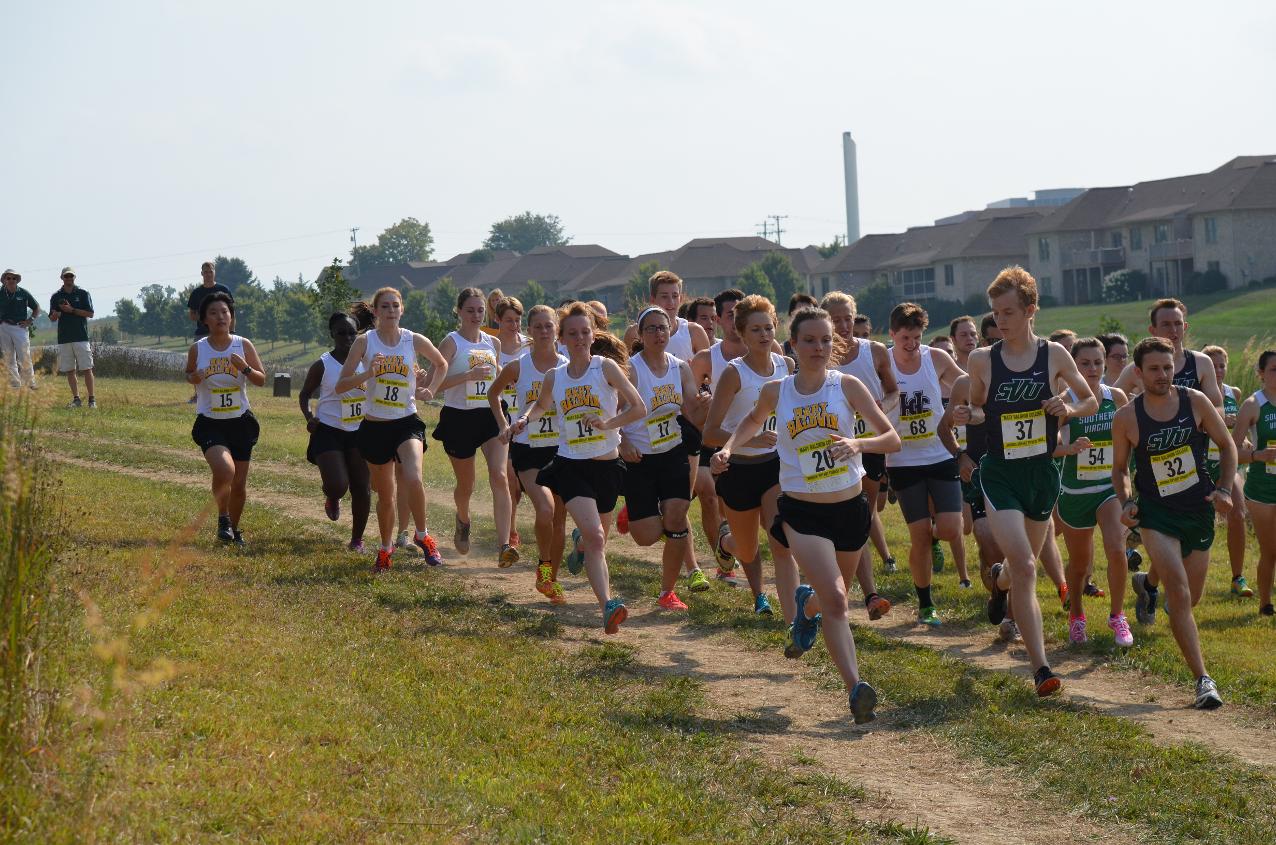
1211 230
916 284
948 275
1047 288
1212 265
1043 249
1136 239
1116 240
1161 233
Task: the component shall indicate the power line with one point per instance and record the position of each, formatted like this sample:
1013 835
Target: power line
778 231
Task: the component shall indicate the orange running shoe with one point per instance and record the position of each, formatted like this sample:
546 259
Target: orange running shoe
670 601
556 595
622 520
545 580
878 606
383 560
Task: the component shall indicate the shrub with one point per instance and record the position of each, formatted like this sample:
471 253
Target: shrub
1125 286
1211 281
1269 282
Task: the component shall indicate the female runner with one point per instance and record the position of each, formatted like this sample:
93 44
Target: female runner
511 343
391 433
658 475
823 515
225 430
1256 421
1236 517
530 450
332 429
587 394
749 476
466 424
1087 498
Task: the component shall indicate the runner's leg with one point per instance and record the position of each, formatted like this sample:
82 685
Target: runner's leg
1177 575
360 494
496 454
1020 538
786 573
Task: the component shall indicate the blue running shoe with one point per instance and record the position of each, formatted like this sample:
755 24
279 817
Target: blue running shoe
863 702
614 612
804 630
576 557
762 607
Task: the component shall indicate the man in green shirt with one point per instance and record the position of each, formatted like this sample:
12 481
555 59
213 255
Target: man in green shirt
15 329
71 307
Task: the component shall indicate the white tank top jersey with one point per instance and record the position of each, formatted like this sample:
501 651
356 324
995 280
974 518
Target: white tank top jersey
393 392
921 404
510 393
746 399
574 398
345 411
865 370
680 342
804 435
543 432
221 394
717 363
471 394
659 431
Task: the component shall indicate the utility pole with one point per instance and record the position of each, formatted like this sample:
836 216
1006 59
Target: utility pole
778 231
354 252
765 230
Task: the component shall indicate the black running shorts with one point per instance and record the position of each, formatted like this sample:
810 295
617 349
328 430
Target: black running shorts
325 438
463 430
599 480
655 479
744 483
238 434
843 523
379 440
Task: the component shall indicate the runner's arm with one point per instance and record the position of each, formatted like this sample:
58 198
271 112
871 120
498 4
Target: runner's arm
308 387
699 337
542 406
1211 421
862 403
1128 380
634 408
728 387
349 379
424 347
751 425
507 376
886 375
1124 425
191 375
1209 381
1245 419
694 406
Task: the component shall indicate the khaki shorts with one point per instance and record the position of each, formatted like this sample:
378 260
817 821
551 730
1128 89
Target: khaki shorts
75 356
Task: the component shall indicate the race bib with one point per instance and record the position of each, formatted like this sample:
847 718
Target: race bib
578 433
822 473
917 429
352 411
1095 463
664 432
391 392
1271 467
542 432
476 391
862 429
770 425
1023 435
1175 471
225 400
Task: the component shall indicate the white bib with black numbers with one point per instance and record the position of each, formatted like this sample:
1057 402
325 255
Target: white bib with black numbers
804 436
485 351
659 431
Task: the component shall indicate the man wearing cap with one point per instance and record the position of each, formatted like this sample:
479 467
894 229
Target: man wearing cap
15 325
71 307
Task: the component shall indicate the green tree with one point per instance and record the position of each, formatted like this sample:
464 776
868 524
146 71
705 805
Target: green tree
1125 286
332 293
1111 325
831 248
297 318
524 232
754 280
638 289
248 301
407 240
443 297
130 317
876 301
534 294
482 255
416 307
232 272
266 319
176 315
155 301
784 278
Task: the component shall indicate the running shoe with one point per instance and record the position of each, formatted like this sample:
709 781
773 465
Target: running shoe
614 613
1046 682
889 565
1063 595
544 579
1076 630
1121 630
1144 599
1241 587
1133 560
997 601
557 596
1267 610
332 509
429 548
508 557
622 520
670 601
1093 590
224 532
461 537
936 557
576 557
727 576
762 607
1134 539
928 616
74 403
404 540
239 539
964 583
726 562
804 630
92 402
878 606
1008 631
383 560
1207 697
863 703
696 582
355 546
791 650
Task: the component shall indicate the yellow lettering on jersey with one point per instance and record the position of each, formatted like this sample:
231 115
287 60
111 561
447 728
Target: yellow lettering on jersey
579 396
666 394
811 416
391 364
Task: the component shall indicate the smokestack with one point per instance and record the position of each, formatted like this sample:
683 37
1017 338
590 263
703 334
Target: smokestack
852 189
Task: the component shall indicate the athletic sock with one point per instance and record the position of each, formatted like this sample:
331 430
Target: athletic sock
923 596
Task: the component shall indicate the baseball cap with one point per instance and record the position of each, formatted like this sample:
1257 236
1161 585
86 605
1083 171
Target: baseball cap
13 273
66 270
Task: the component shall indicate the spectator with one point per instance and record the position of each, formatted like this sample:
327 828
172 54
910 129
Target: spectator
71 308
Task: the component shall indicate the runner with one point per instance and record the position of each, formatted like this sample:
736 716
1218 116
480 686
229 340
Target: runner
1087 497
665 291
701 310
587 473
1064 337
1236 518
531 450
965 339
512 343
1116 351
924 472
391 433
868 361
748 476
1012 382
797 301
658 475
957 548
1257 421
220 365
332 428
1167 428
823 515
863 328
466 425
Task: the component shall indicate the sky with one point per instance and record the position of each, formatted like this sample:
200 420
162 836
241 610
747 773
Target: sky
138 139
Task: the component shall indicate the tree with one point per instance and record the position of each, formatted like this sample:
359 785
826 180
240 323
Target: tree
297 318
443 297
1125 286
266 319
177 316
755 281
638 289
130 317
232 272
332 293
155 310
525 232
832 248
876 301
534 294
105 334
415 307
249 300
784 278
407 240
482 255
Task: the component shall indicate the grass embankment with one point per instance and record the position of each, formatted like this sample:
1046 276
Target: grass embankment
343 746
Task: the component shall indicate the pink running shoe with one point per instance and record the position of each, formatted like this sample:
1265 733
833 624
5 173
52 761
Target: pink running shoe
1076 629
670 601
355 546
1121 629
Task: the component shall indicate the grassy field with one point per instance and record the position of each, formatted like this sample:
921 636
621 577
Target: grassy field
286 694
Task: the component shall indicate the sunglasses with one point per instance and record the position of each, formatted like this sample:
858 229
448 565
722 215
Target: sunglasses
69 276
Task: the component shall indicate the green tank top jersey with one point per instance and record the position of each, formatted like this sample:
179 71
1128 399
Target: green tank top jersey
1230 406
1091 470
1260 481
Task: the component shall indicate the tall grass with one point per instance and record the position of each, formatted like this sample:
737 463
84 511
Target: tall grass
28 510
114 361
